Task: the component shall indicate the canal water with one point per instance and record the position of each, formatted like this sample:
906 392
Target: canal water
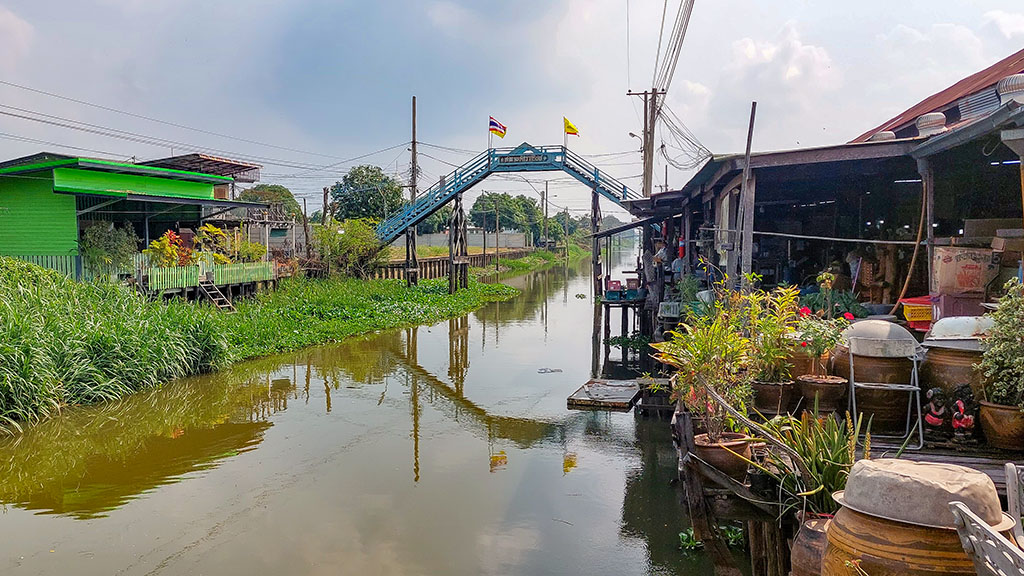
444 449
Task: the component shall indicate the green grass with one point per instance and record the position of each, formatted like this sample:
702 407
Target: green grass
64 343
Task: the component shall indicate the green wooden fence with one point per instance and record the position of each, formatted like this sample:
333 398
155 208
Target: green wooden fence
171 278
65 264
243 272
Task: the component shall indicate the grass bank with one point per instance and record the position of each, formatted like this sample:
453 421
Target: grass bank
64 343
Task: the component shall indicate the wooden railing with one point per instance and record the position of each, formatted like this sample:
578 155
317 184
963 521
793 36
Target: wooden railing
65 264
437 267
177 277
243 272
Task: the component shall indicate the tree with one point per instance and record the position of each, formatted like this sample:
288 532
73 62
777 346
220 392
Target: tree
482 212
350 247
273 194
365 192
436 222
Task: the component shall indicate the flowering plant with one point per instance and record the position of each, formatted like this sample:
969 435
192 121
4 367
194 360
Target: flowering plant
820 335
710 352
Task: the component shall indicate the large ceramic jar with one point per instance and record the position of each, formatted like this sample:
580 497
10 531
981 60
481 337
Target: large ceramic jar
895 519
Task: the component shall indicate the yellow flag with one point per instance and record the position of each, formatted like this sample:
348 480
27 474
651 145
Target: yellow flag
569 128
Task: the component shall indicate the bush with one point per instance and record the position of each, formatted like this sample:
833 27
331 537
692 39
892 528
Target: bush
108 247
350 248
1003 360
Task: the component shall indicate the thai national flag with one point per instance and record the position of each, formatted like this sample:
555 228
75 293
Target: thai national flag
497 128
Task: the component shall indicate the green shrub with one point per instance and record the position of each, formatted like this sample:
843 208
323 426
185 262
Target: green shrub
1003 360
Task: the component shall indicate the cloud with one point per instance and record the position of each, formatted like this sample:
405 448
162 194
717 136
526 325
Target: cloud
1008 23
15 39
450 17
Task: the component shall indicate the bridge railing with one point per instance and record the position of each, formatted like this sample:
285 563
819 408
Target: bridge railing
464 177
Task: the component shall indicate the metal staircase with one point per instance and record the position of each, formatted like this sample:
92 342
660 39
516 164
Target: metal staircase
210 291
522 158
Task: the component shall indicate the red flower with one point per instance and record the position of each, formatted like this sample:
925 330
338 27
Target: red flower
804 311
804 344
849 317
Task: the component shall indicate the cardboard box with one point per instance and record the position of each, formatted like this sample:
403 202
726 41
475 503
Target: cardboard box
962 270
1008 244
988 226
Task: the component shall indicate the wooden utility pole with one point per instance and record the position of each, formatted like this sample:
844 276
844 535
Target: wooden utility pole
497 234
650 120
305 230
545 214
747 206
412 265
323 211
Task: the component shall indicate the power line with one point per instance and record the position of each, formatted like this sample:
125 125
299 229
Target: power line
109 132
164 122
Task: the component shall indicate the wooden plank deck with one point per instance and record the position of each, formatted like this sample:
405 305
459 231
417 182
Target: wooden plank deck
990 462
598 394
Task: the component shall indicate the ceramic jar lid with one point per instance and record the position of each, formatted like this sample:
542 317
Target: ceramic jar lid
919 493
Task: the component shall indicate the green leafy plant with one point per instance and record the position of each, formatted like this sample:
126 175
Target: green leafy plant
772 318
712 352
246 251
732 535
212 240
819 335
827 448
635 341
687 288
105 246
169 250
350 248
841 302
1002 363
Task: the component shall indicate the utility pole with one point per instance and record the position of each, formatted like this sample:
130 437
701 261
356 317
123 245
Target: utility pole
305 229
497 234
545 214
650 119
747 206
412 265
566 223
323 211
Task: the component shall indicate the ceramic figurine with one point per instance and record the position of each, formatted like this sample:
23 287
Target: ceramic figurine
936 416
964 413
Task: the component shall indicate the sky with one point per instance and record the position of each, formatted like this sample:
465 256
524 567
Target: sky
304 86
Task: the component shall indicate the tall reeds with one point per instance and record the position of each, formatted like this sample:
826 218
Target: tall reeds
65 343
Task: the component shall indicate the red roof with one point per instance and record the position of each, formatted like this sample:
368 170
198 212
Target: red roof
1013 64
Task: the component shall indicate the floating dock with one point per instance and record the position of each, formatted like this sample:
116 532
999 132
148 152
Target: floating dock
599 394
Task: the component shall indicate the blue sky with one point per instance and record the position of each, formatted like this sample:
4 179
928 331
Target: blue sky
336 77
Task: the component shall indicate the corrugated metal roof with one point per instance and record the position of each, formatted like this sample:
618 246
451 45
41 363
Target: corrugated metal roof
1013 64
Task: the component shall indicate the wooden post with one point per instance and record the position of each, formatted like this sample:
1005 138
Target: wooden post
924 168
595 257
305 230
747 205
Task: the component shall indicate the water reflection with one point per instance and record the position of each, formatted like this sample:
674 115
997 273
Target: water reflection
393 430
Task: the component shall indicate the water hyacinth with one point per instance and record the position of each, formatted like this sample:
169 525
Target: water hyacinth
64 343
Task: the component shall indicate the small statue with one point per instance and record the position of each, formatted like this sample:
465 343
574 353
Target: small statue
935 418
964 413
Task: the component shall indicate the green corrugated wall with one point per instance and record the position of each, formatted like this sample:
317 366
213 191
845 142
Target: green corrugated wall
34 220
94 182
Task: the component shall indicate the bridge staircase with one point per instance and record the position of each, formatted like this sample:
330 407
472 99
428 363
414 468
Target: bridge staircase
522 158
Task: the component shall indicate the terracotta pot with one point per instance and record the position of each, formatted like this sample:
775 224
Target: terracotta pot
809 547
947 368
719 455
829 390
887 548
771 398
1003 426
887 409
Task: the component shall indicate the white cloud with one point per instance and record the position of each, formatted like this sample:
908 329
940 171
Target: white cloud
449 17
15 39
1010 24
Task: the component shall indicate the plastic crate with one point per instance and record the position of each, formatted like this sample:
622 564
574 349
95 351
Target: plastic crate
669 310
917 309
613 295
918 312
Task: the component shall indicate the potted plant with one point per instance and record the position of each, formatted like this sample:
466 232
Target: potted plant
772 318
1002 364
712 352
818 336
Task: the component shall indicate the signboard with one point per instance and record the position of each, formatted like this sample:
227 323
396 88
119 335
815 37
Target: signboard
523 159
